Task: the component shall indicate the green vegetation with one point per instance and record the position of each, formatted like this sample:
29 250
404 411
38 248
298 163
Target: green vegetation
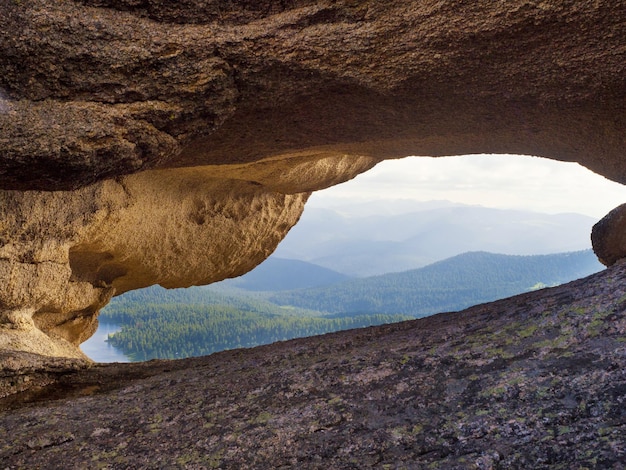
175 330
160 323
453 284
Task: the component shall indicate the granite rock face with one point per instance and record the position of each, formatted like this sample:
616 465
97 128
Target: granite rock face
134 132
65 253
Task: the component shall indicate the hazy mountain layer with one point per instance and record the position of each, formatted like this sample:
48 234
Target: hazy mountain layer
284 274
368 245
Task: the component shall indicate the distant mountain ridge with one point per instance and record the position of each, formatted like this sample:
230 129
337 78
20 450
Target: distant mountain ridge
361 246
452 284
284 274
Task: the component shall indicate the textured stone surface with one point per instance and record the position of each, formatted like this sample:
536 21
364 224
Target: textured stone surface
608 236
64 254
181 141
275 99
537 381
97 88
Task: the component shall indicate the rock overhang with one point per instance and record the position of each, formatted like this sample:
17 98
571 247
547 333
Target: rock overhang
97 89
142 144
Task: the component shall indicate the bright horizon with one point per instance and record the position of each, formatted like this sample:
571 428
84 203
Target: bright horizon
497 181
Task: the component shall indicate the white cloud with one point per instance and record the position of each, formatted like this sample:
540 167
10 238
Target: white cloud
501 181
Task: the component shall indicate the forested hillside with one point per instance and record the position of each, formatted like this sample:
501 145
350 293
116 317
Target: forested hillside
448 285
161 323
275 274
157 323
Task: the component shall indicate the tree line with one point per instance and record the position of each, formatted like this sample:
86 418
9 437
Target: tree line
183 330
449 285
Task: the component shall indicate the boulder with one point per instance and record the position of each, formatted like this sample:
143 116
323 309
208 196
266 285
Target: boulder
608 236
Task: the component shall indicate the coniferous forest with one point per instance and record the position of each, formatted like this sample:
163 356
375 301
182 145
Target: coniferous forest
179 330
449 285
160 323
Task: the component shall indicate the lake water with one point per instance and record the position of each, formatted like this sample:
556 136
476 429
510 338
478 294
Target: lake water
99 350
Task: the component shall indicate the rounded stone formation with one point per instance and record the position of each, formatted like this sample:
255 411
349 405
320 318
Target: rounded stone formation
64 254
95 89
608 236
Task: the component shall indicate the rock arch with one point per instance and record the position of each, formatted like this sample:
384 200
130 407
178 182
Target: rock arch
142 144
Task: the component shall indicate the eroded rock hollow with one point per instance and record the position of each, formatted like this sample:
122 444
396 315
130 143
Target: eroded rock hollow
144 143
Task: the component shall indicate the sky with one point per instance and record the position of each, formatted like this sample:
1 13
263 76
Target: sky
498 181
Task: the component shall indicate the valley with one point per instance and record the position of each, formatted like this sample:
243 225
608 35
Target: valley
160 323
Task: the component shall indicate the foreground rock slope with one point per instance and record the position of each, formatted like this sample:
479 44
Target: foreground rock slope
162 129
535 381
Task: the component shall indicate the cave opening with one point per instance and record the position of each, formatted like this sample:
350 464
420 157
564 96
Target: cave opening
400 216
508 204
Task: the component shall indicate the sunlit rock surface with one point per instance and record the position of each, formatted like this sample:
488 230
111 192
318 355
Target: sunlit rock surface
239 109
64 254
